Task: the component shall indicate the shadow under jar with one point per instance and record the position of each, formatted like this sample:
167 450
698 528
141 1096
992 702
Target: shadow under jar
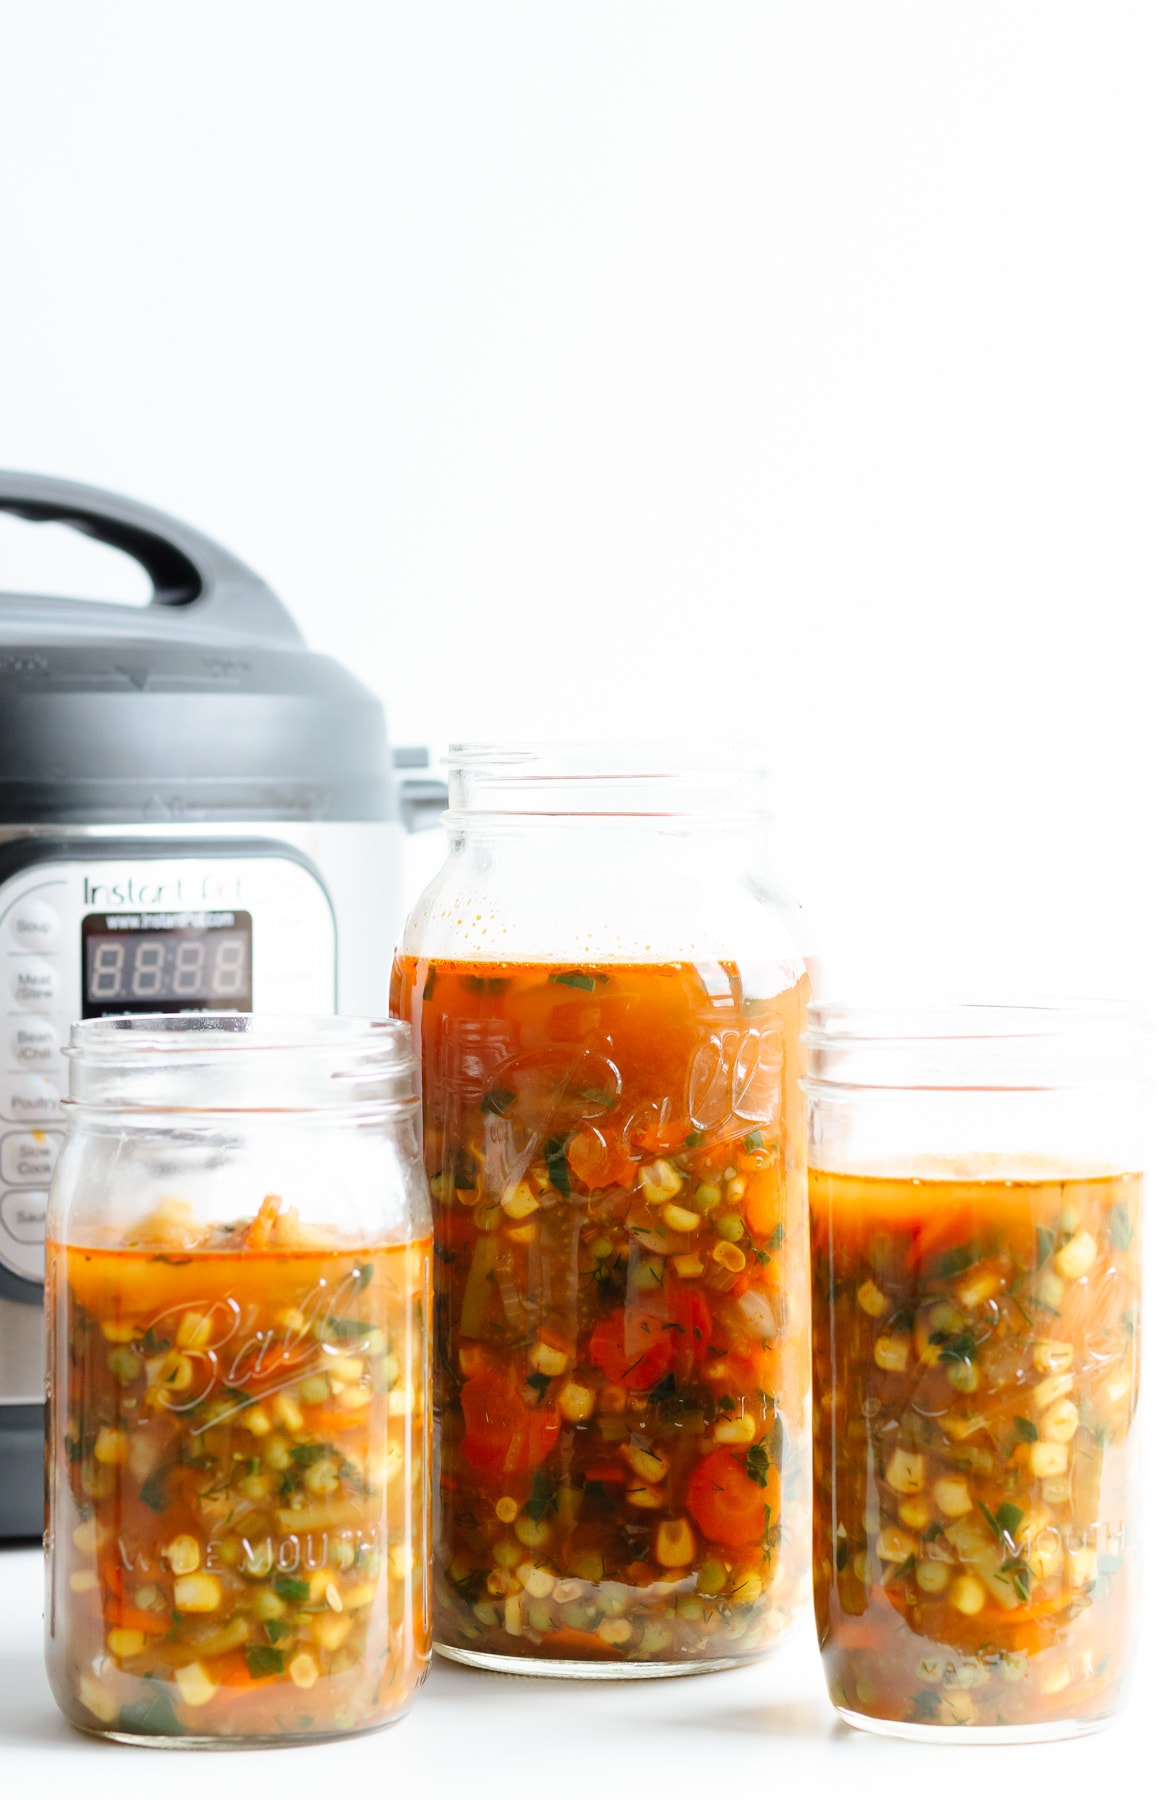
607 1002
238 1292
975 1255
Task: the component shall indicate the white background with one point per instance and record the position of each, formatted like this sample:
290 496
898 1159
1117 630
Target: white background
795 373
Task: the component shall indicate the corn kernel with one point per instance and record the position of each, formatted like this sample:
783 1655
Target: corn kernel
183 1554
197 1593
98 1699
1050 1356
302 1670
736 1189
512 1616
194 1331
1084 1565
364 1594
353 1398
575 1402
872 1300
83 1581
979 1285
537 1581
1048 1458
932 1577
689 1267
507 1509
1050 1289
1056 1679
117 1331
680 1218
746 1591
1076 1257
331 1629
675 1547
126 1640
1060 1423
645 1463
730 1257
735 1431
256 1420
533 1534
110 1446
523 1234
614 1631
891 1352
346 1368
905 1473
546 1359
194 1684
894 1545
659 1181
968 1595
915 1514
646 1497
288 1412
952 1496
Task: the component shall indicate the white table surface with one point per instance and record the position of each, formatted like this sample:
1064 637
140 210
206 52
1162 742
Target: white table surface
745 1734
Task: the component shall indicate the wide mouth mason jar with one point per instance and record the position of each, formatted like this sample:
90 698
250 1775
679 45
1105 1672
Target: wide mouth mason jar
607 997
238 1294
975 1198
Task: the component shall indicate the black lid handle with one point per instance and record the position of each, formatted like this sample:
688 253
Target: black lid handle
185 568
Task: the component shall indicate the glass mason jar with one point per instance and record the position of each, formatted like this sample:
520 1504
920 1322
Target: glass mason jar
238 1288
975 1252
607 1000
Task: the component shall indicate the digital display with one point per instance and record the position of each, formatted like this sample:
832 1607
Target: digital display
166 962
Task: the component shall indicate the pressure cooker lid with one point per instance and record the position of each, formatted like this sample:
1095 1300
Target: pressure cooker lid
205 705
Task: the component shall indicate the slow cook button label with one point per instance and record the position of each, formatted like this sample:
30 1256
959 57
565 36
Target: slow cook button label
33 925
22 1234
27 1157
28 1099
33 983
34 1044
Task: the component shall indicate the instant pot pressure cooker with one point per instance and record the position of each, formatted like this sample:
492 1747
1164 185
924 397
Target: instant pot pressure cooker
196 814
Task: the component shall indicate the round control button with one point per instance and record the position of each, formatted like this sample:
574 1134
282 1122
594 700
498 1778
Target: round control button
22 1233
33 924
28 1099
27 1157
32 983
34 1044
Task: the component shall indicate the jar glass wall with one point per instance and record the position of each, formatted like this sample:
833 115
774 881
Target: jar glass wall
238 1293
607 999
975 1195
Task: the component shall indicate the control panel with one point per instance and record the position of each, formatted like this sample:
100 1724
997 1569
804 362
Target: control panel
108 934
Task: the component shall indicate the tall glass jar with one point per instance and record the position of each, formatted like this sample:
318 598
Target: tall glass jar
975 1190
238 1291
607 998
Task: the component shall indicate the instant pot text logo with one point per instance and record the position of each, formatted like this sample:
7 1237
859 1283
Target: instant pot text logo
211 888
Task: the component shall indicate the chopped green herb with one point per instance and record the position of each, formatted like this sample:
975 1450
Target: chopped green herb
694 1139
757 1464
776 1237
752 1140
1020 1574
1121 1230
239 1395
485 984
538 1383
263 1660
1044 1245
152 1493
842 1554
1026 1428
598 1097
956 1346
348 1328
926 1704
363 1275
575 978
497 1100
557 1166
761 1256
542 1495
430 983
276 1629
152 1344
151 1716
290 1589
952 1262
1005 1522
665 1390
307 1454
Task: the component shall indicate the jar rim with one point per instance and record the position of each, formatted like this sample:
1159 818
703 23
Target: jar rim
608 780
235 1034
972 1044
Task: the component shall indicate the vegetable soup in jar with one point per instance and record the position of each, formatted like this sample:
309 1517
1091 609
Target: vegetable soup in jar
238 1403
975 1374
615 1155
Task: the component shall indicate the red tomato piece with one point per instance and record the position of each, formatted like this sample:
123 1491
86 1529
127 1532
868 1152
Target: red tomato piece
727 1504
503 1436
633 1348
